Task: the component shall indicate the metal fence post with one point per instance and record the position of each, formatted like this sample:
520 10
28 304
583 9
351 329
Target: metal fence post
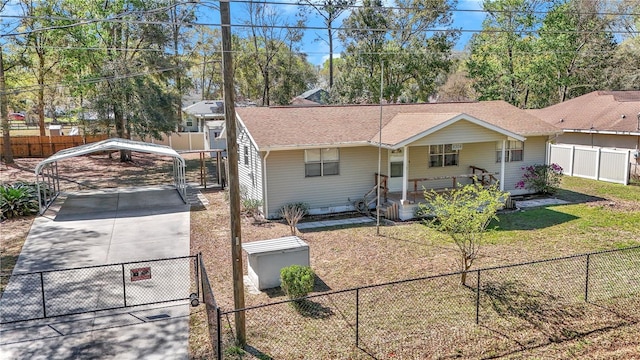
196 265
219 333
357 317
586 280
44 307
124 287
478 298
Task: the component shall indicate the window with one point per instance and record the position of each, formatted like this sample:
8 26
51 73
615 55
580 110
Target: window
189 123
443 155
513 152
396 169
246 156
321 162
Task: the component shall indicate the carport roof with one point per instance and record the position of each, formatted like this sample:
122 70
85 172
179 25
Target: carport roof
112 144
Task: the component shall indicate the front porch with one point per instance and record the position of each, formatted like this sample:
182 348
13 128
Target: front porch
401 205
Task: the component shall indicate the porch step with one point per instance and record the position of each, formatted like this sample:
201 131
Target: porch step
390 211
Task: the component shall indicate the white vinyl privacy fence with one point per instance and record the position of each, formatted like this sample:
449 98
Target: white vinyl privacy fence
592 163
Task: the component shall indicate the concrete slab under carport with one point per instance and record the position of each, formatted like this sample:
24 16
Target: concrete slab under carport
97 228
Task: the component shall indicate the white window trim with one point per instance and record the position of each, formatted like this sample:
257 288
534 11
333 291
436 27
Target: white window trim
321 162
508 151
443 154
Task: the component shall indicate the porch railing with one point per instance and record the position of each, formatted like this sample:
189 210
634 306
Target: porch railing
482 175
485 177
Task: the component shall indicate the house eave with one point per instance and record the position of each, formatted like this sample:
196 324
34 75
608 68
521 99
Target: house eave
313 146
604 132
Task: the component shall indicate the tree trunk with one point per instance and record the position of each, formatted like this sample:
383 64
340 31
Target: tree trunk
7 152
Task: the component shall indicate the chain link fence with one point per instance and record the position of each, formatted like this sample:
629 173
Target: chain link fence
45 294
494 312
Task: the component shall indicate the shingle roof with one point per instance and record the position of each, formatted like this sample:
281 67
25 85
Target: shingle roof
282 127
206 108
598 110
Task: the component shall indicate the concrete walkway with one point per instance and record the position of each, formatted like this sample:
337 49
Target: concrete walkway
338 222
96 228
524 204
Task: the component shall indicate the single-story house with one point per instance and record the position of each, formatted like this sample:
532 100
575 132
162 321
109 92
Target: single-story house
600 135
608 119
206 116
196 115
328 156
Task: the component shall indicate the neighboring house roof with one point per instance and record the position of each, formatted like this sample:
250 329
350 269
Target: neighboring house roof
607 111
207 109
292 127
315 96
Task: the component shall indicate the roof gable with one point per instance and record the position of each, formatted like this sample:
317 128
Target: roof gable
406 128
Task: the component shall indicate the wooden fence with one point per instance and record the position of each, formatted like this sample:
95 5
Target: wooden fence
44 146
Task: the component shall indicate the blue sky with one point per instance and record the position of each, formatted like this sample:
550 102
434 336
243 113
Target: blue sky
318 51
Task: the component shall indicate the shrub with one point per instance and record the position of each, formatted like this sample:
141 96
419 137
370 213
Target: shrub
19 199
304 207
297 281
541 178
293 212
251 206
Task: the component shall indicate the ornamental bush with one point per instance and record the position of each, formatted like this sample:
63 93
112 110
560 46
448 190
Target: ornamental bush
296 281
541 178
19 199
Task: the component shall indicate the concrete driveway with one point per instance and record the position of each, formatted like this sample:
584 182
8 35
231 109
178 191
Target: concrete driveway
97 228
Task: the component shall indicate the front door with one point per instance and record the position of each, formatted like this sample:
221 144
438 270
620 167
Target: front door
396 166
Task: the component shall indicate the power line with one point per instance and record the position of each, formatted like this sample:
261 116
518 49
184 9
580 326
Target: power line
120 18
304 27
506 11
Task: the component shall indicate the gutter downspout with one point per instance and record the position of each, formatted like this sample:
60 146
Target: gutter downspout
264 184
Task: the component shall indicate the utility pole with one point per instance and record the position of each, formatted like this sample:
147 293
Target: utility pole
234 186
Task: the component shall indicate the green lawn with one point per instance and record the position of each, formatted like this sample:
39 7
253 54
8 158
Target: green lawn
530 311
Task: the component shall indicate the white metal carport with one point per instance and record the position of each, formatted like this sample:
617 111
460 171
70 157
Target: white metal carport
47 170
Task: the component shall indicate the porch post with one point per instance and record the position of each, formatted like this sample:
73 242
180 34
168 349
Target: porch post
405 171
502 163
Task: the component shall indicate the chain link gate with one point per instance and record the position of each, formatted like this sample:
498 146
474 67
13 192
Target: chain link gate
52 293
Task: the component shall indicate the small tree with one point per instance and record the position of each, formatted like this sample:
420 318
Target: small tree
464 215
293 213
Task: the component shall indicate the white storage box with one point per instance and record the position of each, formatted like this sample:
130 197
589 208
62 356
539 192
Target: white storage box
267 257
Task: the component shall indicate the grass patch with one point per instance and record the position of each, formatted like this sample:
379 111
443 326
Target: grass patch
348 257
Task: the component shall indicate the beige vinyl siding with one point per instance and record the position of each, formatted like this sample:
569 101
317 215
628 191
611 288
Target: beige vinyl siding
600 140
480 154
287 183
459 132
535 152
250 176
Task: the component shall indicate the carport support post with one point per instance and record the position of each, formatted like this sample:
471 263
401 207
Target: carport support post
234 186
